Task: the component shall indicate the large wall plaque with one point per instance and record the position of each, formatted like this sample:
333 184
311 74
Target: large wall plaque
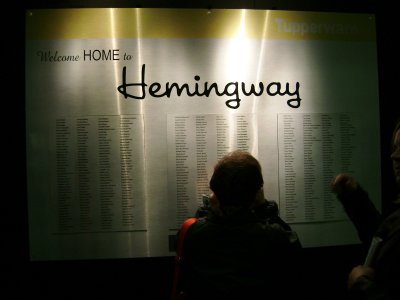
128 110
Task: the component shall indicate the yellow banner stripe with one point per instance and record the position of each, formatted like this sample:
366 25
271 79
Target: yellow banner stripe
95 23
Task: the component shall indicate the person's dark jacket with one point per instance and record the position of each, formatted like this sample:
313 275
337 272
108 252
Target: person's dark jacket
245 255
369 223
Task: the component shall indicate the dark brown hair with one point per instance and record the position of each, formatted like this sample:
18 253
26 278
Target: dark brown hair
236 179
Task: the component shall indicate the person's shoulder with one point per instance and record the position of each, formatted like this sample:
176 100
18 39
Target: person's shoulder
199 222
281 232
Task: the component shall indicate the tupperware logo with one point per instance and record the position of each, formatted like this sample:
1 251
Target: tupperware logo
310 28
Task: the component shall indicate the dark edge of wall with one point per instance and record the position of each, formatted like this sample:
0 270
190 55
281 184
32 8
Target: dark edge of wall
117 277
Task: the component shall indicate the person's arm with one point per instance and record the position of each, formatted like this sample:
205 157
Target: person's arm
358 206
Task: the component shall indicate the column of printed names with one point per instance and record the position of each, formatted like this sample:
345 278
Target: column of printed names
98 183
312 149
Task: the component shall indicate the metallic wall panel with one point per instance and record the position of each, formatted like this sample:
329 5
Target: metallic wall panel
128 110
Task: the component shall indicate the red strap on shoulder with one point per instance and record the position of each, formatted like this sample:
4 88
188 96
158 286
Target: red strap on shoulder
179 248
184 228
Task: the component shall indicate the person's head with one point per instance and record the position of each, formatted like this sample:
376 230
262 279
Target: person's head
237 179
395 156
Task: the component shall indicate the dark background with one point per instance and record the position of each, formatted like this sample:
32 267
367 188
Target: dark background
326 268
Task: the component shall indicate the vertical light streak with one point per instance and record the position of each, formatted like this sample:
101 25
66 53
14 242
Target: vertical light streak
139 50
263 41
113 13
141 111
114 45
236 58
